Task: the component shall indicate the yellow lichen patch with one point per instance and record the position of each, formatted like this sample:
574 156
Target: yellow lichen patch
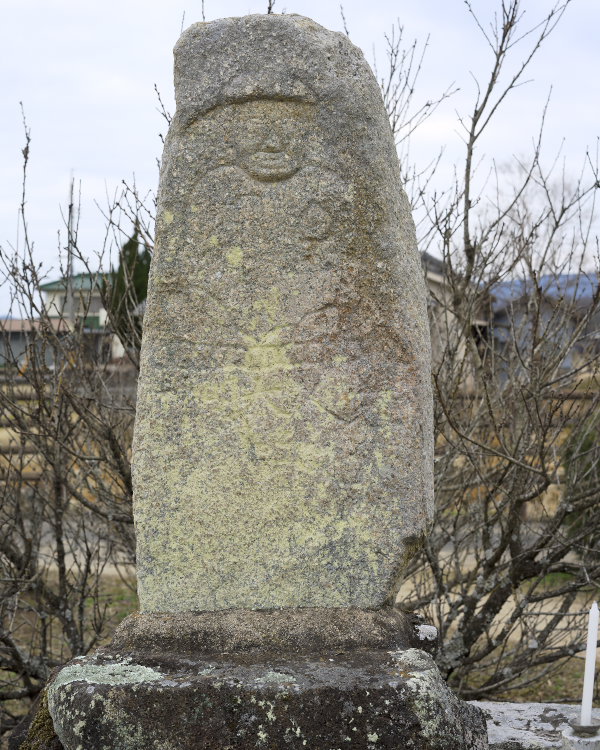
310 457
270 304
266 353
384 408
234 256
271 481
221 393
168 217
213 240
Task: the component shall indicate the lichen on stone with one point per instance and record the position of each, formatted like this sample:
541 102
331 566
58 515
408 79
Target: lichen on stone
105 674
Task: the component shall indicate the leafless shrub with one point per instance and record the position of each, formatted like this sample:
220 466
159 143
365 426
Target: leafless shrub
66 411
512 559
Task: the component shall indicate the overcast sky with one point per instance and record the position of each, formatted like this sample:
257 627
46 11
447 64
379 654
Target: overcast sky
85 72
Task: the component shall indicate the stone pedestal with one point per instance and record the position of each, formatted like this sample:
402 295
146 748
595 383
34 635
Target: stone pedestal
572 740
317 679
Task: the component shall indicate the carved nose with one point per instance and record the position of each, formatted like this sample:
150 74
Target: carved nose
272 143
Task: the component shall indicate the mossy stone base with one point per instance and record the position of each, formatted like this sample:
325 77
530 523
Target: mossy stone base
298 678
359 698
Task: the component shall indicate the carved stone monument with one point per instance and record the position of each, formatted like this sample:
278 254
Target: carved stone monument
283 443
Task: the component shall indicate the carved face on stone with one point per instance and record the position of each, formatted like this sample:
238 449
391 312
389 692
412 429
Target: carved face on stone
284 439
271 138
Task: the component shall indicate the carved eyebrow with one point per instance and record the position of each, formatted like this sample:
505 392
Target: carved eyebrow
187 114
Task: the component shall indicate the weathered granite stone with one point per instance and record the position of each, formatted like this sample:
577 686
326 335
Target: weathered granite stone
574 740
529 726
355 699
290 631
283 439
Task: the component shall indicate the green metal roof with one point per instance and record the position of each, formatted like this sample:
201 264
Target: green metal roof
80 282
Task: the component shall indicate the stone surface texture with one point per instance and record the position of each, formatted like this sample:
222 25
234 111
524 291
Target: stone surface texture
292 631
529 726
572 740
283 440
358 698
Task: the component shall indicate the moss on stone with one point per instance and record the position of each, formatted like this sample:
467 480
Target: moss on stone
41 734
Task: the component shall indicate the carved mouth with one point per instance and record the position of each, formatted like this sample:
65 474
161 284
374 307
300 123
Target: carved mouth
271 165
271 158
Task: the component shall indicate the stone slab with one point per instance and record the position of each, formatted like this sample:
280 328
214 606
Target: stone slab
528 726
361 699
572 740
283 443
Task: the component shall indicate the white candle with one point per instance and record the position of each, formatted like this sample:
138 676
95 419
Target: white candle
590 667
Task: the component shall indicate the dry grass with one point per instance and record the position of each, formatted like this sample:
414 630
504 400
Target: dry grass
564 686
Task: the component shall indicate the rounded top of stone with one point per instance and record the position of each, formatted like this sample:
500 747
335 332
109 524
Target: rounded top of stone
271 23
239 59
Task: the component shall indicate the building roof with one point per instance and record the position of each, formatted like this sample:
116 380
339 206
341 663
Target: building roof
27 325
80 282
433 264
577 289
